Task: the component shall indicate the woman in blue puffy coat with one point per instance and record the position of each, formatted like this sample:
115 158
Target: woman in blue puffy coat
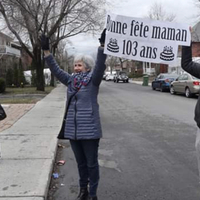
81 124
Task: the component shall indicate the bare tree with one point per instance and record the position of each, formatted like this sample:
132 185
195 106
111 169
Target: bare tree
112 61
65 60
157 12
59 19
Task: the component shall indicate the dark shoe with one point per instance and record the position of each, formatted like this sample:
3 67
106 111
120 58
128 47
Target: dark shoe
83 194
92 198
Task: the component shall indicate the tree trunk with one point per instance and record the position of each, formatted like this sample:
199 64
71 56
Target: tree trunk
38 65
52 82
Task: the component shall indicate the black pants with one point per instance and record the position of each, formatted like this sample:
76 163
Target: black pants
86 154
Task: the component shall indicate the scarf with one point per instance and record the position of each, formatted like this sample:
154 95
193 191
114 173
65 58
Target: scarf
81 78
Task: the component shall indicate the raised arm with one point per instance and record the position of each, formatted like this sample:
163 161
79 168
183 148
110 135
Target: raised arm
99 67
100 62
60 74
187 64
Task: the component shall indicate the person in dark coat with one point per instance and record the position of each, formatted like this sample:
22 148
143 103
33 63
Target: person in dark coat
81 124
2 113
193 68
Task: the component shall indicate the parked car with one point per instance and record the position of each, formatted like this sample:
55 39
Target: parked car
163 81
104 76
109 77
185 84
121 76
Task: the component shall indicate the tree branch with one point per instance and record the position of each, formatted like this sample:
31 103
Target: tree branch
13 31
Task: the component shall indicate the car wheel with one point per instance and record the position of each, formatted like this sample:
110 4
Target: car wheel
188 93
172 90
162 89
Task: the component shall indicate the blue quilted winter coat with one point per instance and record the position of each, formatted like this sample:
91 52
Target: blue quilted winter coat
81 119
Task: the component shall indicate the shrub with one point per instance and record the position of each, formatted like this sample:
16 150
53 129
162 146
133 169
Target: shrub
21 77
9 77
2 85
33 78
16 77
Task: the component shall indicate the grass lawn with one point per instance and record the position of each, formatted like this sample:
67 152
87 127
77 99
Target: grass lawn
27 90
23 95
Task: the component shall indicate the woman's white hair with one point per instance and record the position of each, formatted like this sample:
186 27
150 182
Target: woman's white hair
88 61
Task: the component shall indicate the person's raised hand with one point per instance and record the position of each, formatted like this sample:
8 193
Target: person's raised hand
44 42
102 38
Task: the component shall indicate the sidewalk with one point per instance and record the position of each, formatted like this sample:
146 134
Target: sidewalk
28 149
14 112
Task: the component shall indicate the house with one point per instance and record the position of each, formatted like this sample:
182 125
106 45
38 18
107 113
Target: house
135 68
7 46
196 41
9 54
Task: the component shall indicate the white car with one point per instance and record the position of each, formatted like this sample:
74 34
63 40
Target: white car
110 77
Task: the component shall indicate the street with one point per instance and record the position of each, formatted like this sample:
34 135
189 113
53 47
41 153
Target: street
147 151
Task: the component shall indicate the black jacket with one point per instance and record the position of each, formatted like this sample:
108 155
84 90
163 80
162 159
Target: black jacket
192 68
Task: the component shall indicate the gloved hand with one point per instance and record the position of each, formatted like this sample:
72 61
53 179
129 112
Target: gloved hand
102 38
44 42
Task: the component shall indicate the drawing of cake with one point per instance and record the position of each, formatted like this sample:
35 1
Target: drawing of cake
112 46
167 54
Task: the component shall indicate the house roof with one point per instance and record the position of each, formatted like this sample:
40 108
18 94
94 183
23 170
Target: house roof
6 36
195 34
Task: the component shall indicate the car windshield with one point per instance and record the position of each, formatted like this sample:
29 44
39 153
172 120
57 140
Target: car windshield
170 76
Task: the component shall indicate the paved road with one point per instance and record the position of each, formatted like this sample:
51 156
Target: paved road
147 152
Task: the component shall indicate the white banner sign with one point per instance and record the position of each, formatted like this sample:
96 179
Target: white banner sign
144 39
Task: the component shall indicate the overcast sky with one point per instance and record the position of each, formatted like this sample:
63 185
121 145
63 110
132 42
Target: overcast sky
185 10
